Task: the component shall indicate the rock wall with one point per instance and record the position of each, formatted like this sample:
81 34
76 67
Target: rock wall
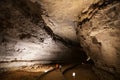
100 38
25 37
61 15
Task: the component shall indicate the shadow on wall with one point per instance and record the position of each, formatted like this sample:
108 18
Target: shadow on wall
24 38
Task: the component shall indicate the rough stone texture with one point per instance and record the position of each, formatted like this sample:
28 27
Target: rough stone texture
100 38
24 35
61 15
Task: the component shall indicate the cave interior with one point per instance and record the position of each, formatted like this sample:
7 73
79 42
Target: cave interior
59 40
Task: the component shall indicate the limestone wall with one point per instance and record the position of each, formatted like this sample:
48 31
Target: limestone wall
100 38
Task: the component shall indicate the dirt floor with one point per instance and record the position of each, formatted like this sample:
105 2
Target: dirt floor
19 75
24 73
83 72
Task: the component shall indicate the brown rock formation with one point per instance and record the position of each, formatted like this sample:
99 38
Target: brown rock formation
100 38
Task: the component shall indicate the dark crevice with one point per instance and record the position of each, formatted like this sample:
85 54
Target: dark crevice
108 72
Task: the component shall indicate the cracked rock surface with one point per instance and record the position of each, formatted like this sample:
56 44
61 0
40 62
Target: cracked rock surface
100 37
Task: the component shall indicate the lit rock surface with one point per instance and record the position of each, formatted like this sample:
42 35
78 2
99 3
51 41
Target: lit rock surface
100 38
61 15
26 38
45 30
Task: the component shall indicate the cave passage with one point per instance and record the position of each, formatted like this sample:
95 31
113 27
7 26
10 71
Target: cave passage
59 40
26 37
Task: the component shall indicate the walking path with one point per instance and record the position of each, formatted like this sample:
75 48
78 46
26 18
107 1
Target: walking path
81 72
53 75
68 72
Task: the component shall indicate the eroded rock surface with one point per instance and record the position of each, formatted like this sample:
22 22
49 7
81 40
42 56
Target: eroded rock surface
25 37
100 37
36 30
61 15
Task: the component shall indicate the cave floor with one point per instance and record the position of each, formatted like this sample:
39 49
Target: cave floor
50 72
